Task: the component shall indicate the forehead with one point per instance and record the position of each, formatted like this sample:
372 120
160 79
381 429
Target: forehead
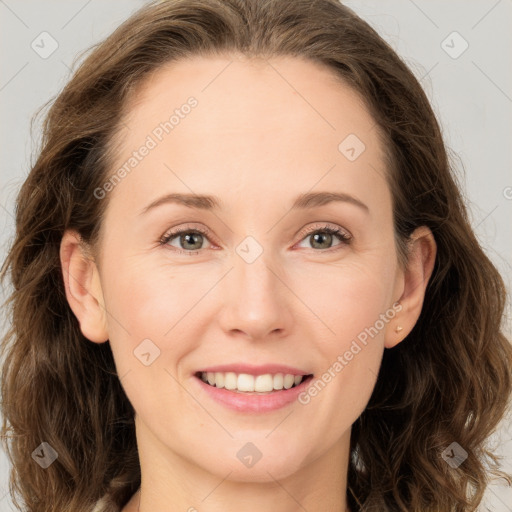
238 89
285 120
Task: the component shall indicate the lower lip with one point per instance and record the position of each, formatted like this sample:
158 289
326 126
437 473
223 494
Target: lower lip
246 402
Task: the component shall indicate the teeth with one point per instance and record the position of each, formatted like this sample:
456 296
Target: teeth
278 381
230 380
219 380
244 382
288 381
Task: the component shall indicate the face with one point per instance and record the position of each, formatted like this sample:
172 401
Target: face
268 277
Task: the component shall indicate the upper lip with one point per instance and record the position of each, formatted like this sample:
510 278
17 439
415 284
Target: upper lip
254 370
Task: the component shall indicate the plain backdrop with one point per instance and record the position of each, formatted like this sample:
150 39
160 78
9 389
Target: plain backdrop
459 49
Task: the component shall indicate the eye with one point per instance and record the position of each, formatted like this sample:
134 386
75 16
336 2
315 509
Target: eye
190 240
321 237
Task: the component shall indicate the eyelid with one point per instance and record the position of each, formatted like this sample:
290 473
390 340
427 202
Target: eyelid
184 229
318 226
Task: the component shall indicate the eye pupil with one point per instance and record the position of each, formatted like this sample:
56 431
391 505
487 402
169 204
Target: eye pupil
184 239
322 237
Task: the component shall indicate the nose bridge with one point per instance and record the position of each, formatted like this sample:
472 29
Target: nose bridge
254 268
254 301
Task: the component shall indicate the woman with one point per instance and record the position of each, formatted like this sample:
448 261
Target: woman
330 340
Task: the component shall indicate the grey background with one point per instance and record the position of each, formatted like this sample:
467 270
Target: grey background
471 94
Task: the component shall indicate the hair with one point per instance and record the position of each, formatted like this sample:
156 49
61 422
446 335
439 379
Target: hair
448 381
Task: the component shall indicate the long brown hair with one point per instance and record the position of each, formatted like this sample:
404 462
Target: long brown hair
449 381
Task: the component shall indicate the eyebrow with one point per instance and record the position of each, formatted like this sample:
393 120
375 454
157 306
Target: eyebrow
208 202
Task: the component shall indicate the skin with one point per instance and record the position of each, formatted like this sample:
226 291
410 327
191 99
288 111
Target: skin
263 132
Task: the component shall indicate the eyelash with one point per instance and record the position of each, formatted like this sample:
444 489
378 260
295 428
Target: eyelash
344 238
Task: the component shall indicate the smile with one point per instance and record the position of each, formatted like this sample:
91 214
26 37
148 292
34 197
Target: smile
247 393
246 383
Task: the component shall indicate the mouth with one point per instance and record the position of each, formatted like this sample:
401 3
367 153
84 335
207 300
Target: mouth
248 384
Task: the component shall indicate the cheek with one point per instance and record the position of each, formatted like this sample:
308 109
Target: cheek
147 310
339 395
160 313
346 298
149 300
355 306
149 330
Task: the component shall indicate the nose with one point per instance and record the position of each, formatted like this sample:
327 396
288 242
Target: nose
257 302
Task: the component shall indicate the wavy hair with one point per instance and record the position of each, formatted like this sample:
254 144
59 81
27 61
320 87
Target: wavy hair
448 381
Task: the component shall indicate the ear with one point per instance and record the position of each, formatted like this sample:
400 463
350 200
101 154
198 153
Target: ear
83 287
421 259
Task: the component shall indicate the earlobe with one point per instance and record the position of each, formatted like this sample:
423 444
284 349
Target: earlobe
420 264
395 337
83 287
